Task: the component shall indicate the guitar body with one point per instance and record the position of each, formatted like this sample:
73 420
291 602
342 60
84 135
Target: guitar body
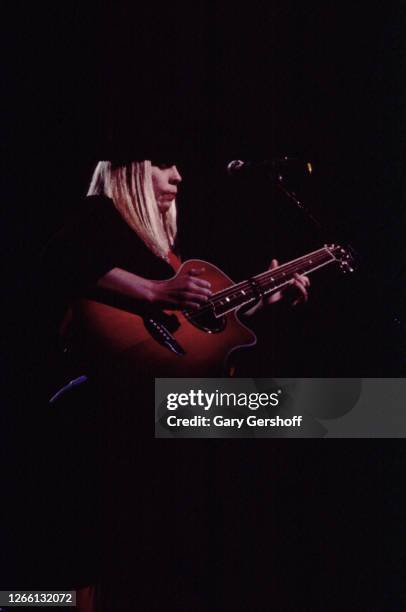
108 339
159 344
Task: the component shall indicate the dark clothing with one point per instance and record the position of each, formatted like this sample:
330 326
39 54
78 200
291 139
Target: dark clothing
151 549
183 525
91 244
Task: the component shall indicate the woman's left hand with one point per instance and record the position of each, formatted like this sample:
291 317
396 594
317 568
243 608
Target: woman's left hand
296 291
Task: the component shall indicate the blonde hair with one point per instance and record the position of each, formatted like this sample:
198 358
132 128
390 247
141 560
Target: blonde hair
130 187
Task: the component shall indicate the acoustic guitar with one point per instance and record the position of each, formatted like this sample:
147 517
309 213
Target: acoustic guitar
189 343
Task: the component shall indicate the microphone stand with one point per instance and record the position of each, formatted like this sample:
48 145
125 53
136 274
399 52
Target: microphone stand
291 195
277 177
327 233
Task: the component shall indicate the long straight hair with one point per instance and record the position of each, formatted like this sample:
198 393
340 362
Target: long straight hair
130 187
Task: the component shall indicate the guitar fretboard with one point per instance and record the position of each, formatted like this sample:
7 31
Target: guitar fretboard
270 281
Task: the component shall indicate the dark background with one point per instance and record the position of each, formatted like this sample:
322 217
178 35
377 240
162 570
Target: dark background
207 84
215 83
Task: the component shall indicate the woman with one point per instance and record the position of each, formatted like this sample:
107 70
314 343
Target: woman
126 232
122 250
144 194
123 247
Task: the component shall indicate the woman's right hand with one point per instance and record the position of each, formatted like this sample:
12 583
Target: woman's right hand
183 291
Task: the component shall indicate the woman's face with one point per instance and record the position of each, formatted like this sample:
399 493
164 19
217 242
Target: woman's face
165 181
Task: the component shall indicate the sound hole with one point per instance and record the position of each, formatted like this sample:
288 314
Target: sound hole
205 320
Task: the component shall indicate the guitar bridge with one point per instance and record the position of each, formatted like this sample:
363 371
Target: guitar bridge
161 334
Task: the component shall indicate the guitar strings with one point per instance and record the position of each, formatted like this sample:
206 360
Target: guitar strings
276 274
263 280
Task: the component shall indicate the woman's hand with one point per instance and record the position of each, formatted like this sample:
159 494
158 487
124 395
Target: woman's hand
183 291
296 291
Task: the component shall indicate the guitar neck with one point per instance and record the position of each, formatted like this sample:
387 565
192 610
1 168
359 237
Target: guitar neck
271 280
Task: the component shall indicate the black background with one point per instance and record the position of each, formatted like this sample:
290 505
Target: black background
216 83
207 84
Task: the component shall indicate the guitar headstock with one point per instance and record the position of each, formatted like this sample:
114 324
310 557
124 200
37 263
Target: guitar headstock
343 255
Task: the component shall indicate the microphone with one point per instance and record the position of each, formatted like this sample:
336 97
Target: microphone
277 170
273 167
